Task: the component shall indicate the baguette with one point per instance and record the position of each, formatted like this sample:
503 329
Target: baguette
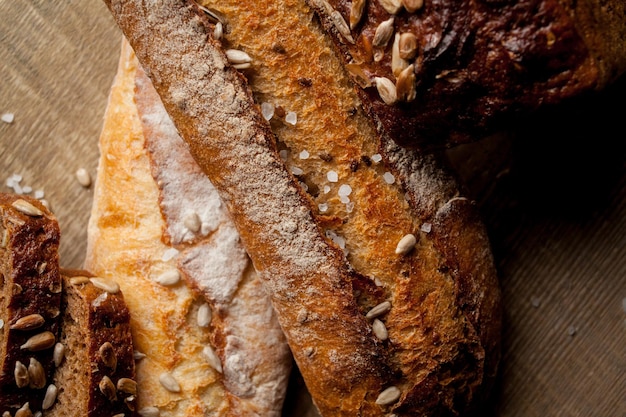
30 301
95 375
379 271
200 315
454 71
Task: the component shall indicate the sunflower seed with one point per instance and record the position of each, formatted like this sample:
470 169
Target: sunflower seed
105 284
22 378
149 412
341 26
356 12
204 315
107 354
213 16
212 358
359 76
41 267
39 341
380 330
1 324
58 353
383 33
171 277
391 6
405 84
169 382
386 89
397 63
27 208
79 280
5 238
235 56
36 374
24 411
408 46
50 397
107 388
218 31
30 322
127 385
378 310
406 244
412 6
137 355
388 396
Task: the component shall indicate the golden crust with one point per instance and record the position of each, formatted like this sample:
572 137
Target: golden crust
328 257
136 236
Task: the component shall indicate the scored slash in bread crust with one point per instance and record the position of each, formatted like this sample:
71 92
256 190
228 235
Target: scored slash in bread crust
30 285
96 374
477 65
159 228
435 351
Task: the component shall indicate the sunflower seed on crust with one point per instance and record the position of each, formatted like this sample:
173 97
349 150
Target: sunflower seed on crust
391 6
58 354
356 12
39 342
235 56
30 322
407 46
105 284
406 89
36 374
378 310
27 208
386 89
24 411
50 397
107 388
388 396
383 33
149 412
412 6
127 385
22 378
398 64
169 382
341 26
406 244
107 355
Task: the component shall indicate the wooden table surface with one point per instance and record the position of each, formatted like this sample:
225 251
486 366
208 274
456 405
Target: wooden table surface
551 191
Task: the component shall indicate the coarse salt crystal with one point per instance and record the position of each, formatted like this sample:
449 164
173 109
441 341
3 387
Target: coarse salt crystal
376 158
304 154
284 154
267 110
349 206
8 117
83 177
332 176
339 240
291 118
39 194
344 199
344 190
304 186
323 207
389 178
27 189
326 189
426 227
297 171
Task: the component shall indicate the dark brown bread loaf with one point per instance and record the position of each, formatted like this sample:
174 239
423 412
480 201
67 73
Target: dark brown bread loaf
95 374
380 273
451 71
30 301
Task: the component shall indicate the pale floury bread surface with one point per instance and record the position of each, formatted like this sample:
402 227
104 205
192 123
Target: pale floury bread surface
206 337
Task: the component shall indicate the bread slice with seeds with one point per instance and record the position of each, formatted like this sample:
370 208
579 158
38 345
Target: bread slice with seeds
95 366
30 301
203 325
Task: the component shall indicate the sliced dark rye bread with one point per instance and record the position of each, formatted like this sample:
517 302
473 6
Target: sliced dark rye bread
96 369
30 297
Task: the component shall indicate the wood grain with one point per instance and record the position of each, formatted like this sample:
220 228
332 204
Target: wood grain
552 192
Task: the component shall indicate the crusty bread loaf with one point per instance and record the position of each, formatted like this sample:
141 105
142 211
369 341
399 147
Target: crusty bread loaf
380 273
200 316
30 301
95 373
441 72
